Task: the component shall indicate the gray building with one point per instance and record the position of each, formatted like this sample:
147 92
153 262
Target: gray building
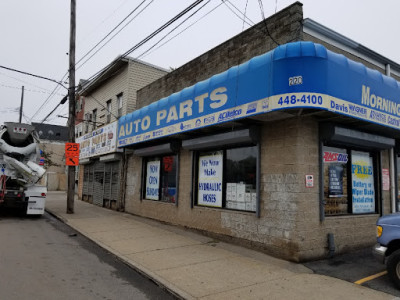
270 160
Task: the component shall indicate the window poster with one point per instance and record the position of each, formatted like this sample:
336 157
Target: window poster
152 179
335 187
210 180
362 178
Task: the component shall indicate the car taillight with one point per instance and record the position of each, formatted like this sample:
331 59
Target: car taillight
43 194
379 230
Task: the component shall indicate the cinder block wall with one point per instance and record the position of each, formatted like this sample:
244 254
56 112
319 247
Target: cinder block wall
289 226
289 211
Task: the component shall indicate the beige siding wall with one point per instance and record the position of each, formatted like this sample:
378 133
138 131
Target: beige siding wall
140 75
127 81
107 91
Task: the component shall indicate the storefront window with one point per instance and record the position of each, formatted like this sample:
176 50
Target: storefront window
349 182
161 180
227 178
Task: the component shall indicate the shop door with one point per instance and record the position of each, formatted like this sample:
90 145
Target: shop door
115 180
98 183
111 183
107 182
85 180
87 191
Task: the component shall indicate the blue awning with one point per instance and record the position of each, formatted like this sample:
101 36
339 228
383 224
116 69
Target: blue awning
294 75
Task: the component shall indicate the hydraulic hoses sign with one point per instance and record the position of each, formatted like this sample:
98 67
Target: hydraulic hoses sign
210 180
362 178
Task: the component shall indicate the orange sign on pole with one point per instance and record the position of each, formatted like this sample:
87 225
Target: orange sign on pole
72 149
71 154
72 161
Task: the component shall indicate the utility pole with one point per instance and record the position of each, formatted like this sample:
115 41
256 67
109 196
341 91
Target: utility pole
71 96
21 106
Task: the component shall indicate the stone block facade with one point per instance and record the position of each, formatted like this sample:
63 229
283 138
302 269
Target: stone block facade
290 224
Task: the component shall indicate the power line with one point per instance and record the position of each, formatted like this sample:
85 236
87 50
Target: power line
172 30
53 92
245 12
49 114
241 18
47 100
25 82
37 76
265 22
108 34
173 20
33 75
103 21
146 53
26 90
149 37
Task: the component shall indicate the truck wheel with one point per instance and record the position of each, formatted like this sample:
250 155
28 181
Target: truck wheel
393 268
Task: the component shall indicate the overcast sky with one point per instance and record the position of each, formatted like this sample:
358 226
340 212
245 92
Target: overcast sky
35 39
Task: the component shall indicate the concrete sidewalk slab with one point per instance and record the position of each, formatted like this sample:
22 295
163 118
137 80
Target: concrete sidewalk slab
180 257
193 266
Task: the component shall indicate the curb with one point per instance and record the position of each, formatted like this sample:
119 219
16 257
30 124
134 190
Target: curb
167 286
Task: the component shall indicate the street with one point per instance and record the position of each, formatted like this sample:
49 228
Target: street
42 258
359 267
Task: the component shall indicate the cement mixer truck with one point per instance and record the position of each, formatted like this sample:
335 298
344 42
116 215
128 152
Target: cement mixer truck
20 169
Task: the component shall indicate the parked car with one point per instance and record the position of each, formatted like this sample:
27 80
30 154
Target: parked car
388 247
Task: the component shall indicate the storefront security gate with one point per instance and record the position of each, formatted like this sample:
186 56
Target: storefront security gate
101 183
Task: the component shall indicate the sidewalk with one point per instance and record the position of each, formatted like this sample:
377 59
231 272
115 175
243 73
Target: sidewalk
193 266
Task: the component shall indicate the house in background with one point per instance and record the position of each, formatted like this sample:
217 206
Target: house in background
52 143
105 98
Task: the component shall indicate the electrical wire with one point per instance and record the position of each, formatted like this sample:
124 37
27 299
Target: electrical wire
25 89
149 37
108 34
55 89
103 21
172 30
160 29
265 22
241 18
146 53
33 75
173 20
24 82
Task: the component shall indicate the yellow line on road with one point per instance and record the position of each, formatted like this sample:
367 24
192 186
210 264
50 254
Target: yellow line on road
361 281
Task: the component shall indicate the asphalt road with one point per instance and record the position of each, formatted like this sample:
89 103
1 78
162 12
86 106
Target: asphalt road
354 267
42 258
